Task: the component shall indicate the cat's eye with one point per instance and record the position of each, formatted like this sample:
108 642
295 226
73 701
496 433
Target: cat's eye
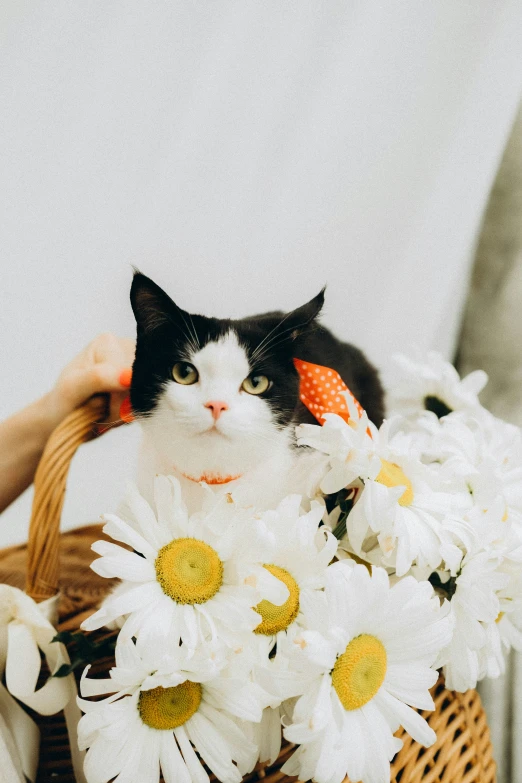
256 384
184 373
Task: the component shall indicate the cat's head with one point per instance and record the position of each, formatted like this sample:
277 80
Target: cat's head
216 396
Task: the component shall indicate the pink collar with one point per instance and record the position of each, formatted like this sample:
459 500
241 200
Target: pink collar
211 478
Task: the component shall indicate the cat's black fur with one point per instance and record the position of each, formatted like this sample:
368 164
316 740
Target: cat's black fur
166 334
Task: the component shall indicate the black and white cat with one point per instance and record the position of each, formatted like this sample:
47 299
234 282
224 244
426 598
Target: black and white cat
218 400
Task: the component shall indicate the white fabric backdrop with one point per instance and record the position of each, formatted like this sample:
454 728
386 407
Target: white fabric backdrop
241 153
491 339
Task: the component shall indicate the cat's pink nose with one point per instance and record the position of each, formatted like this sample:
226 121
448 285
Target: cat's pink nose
216 407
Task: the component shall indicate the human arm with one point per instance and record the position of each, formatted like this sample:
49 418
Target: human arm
103 366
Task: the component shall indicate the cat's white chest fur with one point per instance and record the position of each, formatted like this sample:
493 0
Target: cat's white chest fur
285 471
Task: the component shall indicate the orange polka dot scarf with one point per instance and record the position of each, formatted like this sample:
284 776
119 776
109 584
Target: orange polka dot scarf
320 390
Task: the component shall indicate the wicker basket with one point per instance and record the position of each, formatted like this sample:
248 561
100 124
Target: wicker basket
461 754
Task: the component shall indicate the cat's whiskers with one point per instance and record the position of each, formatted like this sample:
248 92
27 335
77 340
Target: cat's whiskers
194 331
255 353
269 438
274 342
191 343
103 426
192 335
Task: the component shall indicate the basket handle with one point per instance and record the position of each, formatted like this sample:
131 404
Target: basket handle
49 494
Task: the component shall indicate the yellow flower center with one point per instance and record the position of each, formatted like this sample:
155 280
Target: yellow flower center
359 672
391 475
277 618
167 708
189 571
500 616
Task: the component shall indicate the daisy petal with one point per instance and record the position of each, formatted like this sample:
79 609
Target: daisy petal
172 764
410 719
119 530
119 605
117 562
196 771
212 748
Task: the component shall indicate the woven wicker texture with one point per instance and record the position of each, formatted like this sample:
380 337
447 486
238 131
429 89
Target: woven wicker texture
461 754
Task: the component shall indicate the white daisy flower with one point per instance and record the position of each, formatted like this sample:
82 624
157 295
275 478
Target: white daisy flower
485 456
494 530
509 621
510 628
475 606
199 577
277 680
402 504
301 554
370 658
349 446
399 500
480 465
155 722
434 385
506 631
266 734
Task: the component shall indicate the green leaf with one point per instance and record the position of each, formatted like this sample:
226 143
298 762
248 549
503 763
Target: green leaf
345 504
64 670
83 649
340 529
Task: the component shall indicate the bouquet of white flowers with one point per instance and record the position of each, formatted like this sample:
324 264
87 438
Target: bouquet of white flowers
325 619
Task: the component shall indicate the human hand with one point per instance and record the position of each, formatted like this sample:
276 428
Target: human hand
105 365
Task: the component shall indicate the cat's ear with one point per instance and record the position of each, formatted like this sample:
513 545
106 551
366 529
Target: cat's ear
299 321
152 307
